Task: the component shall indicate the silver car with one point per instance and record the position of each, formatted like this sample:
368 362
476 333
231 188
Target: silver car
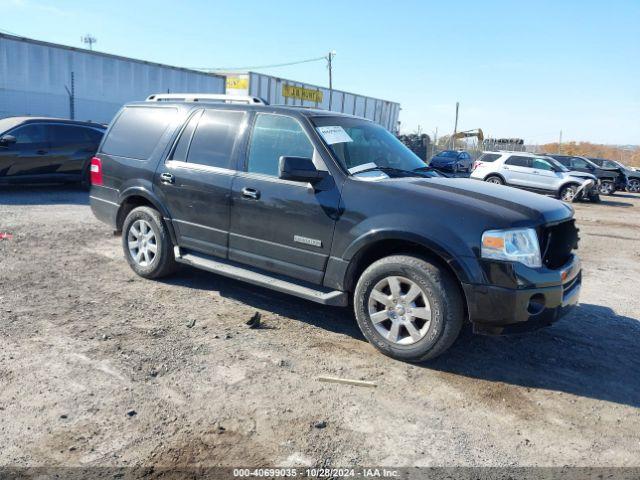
537 173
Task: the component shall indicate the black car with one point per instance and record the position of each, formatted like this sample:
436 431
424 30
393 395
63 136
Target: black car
607 180
38 149
452 160
334 209
628 179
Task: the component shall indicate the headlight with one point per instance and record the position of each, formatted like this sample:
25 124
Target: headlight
514 245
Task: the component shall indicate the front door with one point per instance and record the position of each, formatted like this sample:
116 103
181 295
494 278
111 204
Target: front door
544 175
195 181
28 156
279 225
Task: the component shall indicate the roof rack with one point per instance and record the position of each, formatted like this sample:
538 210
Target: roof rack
205 97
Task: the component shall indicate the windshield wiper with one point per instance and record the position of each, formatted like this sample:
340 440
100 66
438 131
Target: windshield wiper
393 170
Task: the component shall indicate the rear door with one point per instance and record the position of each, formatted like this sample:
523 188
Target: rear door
517 171
71 149
280 225
195 181
28 156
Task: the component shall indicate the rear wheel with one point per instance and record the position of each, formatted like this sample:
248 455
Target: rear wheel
606 188
146 243
408 308
494 179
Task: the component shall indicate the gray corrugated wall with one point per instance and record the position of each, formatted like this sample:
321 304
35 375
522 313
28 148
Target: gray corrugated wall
381 111
33 78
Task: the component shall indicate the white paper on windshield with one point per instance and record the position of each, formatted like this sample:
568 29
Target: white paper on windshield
335 134
359 168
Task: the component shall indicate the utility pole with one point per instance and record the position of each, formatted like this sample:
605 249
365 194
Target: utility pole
455 128
72 97
560 142
329 57
89 40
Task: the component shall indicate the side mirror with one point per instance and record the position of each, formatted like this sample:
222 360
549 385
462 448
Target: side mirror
299 169
7 140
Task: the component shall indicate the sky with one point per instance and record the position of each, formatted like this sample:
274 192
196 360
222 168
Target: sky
525 69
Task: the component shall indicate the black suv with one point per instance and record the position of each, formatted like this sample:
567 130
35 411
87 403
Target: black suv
38 149
333 208
627 178
606 179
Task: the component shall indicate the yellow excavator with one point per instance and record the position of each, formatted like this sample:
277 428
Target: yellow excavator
476 132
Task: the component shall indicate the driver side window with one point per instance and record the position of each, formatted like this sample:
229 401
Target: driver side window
541 164
30 134
578 163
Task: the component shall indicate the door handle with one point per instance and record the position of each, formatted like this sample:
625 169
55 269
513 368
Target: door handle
41 152
250 193
535 172
167 178
506 168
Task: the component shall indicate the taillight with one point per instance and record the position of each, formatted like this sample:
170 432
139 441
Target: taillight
96 171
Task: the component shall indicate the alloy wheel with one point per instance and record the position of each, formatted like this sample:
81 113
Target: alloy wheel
634 186
399 310
568 194
606 188
142 242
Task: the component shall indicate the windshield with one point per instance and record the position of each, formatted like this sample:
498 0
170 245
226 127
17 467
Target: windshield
360 145
556 164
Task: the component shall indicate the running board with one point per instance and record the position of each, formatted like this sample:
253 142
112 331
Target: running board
325 297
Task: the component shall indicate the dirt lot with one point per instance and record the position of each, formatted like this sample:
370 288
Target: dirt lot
84 344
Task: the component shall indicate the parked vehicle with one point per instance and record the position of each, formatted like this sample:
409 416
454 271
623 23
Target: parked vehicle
39 149
452 160
607 179
334 209
630 180
536 173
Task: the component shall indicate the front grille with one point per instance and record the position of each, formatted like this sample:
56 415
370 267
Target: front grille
557 242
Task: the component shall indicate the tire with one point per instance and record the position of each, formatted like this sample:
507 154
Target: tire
633 185
152 232
564 194
495 179
435 315
606 188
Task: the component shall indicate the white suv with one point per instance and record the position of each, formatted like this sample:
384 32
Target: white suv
536 173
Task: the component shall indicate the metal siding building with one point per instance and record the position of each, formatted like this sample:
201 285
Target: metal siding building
34 74
271 89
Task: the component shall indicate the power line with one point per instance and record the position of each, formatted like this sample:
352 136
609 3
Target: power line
259 67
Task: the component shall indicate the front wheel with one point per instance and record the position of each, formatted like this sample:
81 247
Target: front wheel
408 308
147 244
568 193
633 185
606 188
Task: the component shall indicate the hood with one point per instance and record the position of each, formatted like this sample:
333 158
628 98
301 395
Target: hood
506 206
583 175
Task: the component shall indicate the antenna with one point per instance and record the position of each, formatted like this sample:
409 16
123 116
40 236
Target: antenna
89 40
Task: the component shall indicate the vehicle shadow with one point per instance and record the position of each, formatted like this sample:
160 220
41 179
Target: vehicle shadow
593 352
67 194
613 203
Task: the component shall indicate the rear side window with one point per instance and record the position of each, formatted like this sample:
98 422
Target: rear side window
60 135
489 157
182 147
137 131
213 140
517 161
275 136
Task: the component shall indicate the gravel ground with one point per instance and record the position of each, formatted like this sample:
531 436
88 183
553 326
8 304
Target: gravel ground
99 367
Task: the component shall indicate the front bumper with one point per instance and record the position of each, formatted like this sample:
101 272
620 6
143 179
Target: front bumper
536 302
